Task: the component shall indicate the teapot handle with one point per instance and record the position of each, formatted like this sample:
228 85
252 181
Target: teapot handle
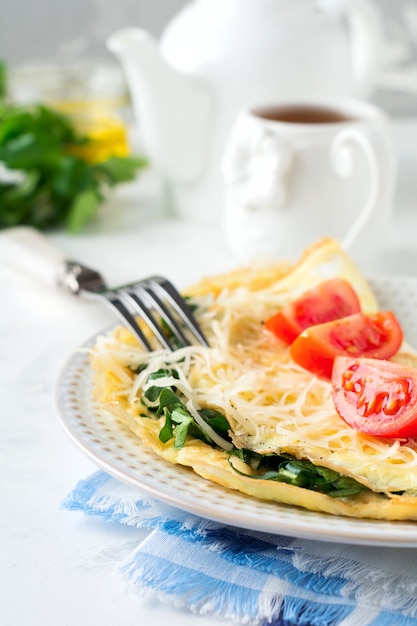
366 32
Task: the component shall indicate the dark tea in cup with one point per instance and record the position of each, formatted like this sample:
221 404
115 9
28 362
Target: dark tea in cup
303 114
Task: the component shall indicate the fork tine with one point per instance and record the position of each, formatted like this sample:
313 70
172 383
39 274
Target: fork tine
140 307
159 294
166 289
114 301
164 312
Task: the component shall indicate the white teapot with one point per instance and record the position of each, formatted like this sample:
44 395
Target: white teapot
217 57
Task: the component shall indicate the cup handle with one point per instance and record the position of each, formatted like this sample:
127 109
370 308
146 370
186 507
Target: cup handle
342 159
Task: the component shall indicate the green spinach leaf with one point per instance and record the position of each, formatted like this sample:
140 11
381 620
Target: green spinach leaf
42 183
301 473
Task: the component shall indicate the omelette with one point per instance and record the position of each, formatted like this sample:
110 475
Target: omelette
243 414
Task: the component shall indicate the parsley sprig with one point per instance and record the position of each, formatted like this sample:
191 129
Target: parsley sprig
42 184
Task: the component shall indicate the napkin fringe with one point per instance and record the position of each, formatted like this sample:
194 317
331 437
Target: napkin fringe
89 497
203 594
309 613
363 583
200 593
281 564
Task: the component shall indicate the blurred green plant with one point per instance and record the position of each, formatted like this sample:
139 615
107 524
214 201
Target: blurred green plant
42 183
3 75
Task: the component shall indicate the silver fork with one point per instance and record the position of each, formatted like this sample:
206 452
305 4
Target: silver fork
154 299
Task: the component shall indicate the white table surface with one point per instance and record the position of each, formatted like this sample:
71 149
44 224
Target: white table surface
57 567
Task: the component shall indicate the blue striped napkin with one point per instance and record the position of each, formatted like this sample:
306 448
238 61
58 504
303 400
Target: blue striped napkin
250 577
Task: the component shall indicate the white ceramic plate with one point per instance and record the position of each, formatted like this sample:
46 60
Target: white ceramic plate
119 452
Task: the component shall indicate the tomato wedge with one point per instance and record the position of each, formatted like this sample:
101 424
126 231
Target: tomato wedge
376 397
330 300
378 336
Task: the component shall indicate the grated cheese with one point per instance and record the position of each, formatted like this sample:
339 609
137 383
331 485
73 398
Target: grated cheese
271 403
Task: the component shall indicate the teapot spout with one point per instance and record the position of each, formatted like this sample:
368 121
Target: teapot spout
174 110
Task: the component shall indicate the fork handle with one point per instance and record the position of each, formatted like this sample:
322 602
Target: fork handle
30 251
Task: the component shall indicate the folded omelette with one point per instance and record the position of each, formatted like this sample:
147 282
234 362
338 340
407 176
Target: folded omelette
242 413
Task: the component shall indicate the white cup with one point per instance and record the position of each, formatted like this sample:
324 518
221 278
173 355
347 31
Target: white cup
298 171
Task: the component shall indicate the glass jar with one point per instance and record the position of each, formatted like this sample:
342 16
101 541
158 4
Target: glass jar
92 92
